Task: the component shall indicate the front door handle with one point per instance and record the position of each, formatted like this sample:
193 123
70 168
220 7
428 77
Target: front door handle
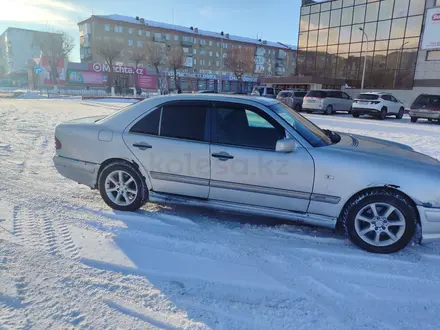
142 146
223 156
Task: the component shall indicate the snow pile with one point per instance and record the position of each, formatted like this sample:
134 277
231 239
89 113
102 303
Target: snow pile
67 261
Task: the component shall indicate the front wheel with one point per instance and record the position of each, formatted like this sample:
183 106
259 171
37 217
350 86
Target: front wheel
355 114
400 114
414 119
328 110
383 113
122 187
380 221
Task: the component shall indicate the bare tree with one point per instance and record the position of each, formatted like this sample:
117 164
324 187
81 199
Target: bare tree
110 51
156 57
56 46
137 57
240 61
176 61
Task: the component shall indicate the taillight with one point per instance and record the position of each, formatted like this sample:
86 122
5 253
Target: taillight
57 144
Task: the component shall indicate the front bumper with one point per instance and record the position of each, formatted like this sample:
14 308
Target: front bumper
365 111
428 114
430 221
77 170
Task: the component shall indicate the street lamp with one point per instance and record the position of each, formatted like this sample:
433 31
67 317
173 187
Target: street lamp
365 60
399 58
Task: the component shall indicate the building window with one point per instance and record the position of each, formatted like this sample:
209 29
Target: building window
130 31
210 42
176 38
157 36
167 37
195 40
195 61
130 43
147 34
107 27
202 42
217 63
218 44
119 28
217 54
433 55
185 50
202 52
140 32
194 51
140 44
225 45
210 53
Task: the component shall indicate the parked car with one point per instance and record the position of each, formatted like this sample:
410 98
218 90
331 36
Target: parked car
293 99
426 106
379 191
377 104
264 91
327 101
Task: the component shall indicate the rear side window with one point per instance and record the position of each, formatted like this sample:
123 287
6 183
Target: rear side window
386 97
184 122
149 124
319 94
428 101
285 94
367 97
300 94
336 95
269 91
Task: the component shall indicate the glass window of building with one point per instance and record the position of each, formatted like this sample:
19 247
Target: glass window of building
107 27
336 4
356 33
396 44
401 8
414 26
140 33
305 10
167 36
335 19
370 30
323 37
325 6
355 47
411 43
303 26
359 14
176 38
381 45
314 22
324 20
130 31
347 16
313 37
140 44
417 7
303 37
348 3
130 43
343 48
386 9
383 30
147 34
333 36
315 8
433 55
360 2
372 12
344 36
398 28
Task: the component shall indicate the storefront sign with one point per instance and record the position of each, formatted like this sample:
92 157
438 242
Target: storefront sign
99 67
431 36
85 77
147 82
209 76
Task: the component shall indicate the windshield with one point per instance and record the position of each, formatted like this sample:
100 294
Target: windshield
309 131
367 97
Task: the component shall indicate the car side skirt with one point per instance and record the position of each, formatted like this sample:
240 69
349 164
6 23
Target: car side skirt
302 218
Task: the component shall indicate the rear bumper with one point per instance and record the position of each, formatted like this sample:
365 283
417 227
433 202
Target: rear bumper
77 170
365 111
430 221
424 114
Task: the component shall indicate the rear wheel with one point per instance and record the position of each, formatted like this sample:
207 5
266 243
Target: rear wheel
400 114
414 119
380 221
298 108
383 113
328 110
309 111
355 114
122 187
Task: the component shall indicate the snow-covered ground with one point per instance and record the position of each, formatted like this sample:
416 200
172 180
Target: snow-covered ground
68 261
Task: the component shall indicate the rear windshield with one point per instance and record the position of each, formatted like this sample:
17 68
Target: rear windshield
300 94
428 101
320 94
367 97
285 94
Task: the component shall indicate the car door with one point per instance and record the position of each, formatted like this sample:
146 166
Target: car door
347 101
334 99
171 143
395 104
246 169
387 103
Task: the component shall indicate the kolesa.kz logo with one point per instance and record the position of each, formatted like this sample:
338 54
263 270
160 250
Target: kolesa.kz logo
436 17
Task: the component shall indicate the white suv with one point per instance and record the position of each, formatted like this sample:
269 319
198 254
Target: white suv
377 104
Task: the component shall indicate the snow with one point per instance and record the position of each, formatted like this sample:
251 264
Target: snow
68 261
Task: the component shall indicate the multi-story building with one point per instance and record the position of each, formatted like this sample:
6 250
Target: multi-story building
335 38
203 50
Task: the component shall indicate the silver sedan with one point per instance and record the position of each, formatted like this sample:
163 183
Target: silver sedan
258 156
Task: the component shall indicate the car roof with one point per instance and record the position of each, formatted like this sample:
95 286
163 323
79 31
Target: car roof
217 97
325 90
376 93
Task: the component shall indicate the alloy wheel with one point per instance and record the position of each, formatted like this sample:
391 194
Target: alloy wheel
121 188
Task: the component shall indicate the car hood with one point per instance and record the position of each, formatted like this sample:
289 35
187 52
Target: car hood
378 148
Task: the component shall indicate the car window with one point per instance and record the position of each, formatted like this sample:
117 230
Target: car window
319 94
269 91
247 127
336 95
148 124
386 97
300 94
184 121
393 98
285 94
367 97
427 101
345 96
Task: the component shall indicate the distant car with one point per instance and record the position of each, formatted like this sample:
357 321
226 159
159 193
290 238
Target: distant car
292 98
264 91
327 101
426 106
208 91
188 149
377 104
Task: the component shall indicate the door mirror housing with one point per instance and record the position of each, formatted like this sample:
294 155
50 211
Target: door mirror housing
286 145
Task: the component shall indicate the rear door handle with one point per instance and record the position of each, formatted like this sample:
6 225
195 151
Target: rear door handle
142 146
223 156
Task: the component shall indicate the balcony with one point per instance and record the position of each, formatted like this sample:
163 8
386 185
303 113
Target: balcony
187 41
158 39
281 55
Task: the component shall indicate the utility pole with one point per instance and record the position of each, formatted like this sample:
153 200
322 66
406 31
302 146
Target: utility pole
365 60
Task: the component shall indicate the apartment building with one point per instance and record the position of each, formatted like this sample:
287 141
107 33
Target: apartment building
203 51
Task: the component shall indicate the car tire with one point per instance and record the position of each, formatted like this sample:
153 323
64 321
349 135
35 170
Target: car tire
298 108
328 110
380 233
350 111
128 192
401 113
383 113
355 114
414 119
309 112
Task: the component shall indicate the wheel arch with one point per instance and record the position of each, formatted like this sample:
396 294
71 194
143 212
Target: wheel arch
389 187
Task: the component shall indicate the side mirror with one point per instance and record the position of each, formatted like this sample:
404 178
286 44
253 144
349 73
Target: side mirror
286 145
